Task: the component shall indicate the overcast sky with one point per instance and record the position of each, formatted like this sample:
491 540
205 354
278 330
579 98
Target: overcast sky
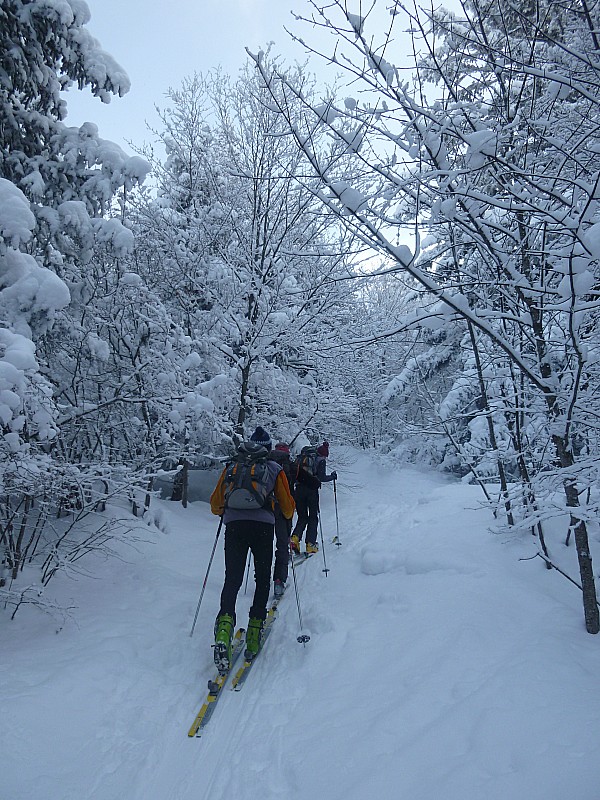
159 43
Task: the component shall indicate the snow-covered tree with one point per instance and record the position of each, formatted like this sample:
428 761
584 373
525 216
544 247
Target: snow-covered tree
56 188
249 259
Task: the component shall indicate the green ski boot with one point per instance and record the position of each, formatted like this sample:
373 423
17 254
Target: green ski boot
223 637
253 637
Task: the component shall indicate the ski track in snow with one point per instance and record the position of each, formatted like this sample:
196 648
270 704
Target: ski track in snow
439 666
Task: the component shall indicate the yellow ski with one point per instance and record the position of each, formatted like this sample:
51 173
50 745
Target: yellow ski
215 686
240 676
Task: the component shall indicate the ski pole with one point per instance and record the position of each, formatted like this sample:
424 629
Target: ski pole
303 637
337 540
212 555
247 572
325 570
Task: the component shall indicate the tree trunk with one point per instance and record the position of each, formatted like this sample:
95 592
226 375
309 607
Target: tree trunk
243 410
179 482
490 425
566 460
579 528
185 483
148 498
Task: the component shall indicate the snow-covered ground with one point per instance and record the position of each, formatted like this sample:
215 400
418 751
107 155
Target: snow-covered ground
440 666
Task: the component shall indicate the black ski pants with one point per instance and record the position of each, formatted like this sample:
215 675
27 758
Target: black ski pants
283 531
307 507
241 536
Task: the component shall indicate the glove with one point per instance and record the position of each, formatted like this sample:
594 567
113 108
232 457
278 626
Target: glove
334 475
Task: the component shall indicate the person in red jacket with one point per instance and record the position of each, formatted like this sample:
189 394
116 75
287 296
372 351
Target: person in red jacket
283 525
248 529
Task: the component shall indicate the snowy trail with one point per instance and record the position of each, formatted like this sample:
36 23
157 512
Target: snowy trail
439 666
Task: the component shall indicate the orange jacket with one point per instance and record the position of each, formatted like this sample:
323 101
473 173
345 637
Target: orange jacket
281 491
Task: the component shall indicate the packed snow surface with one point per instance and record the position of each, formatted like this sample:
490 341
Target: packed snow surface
441 665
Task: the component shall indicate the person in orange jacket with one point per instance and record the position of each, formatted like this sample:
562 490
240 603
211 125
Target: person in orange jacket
246 529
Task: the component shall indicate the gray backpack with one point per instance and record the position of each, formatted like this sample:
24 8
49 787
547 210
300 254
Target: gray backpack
248 480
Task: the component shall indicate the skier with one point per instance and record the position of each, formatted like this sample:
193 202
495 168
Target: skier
283 525
312 472
248 528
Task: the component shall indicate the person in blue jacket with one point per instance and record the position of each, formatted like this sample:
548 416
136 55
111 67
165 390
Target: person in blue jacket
312 472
